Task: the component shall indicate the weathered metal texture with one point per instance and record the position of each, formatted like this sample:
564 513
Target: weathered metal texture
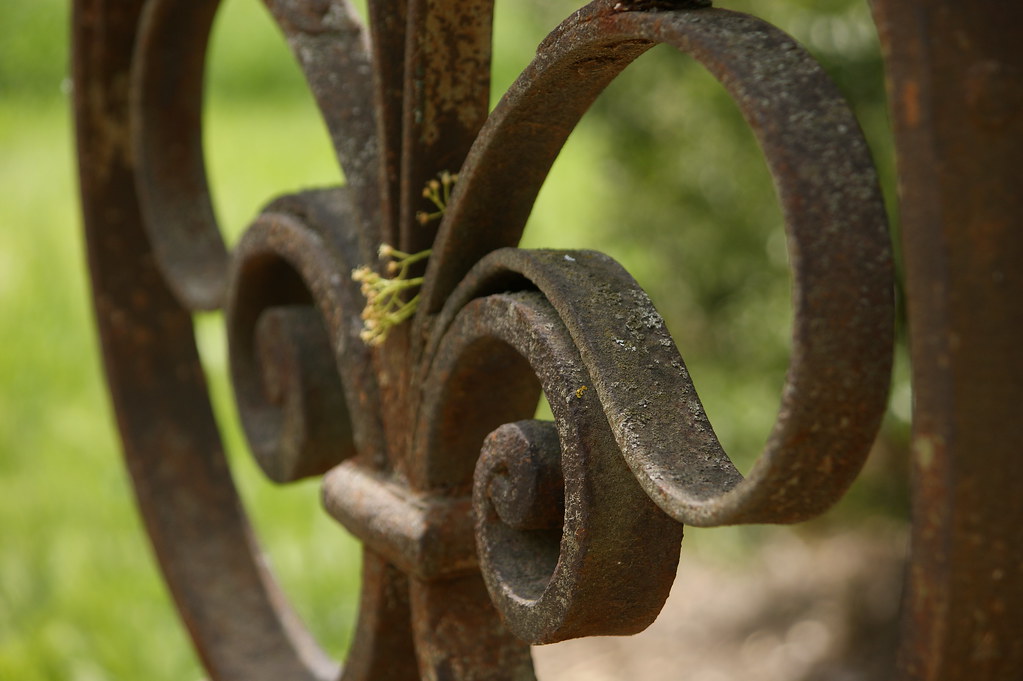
238 619
291 361
447 96
484 529
955 75
605 566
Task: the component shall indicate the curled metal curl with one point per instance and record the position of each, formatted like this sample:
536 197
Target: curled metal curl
170 172
839 248
296 362
519 475
605 564
166 130
822 434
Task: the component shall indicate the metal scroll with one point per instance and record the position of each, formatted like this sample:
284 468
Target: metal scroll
484 529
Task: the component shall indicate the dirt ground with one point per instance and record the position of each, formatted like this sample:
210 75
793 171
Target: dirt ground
801 608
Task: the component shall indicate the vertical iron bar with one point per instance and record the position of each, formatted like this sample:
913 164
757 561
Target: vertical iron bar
955 74
447 97
240 623
387 45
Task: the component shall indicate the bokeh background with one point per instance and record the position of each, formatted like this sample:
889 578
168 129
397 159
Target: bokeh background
662 174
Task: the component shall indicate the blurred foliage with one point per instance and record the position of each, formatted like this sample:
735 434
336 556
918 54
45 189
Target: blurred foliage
33 49
663 174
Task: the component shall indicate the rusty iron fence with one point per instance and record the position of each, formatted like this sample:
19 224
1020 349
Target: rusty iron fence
411 386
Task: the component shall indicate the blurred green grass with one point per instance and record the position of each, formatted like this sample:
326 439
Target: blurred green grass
80 594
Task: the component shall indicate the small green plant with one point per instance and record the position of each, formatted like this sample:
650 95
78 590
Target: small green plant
386 307
439 193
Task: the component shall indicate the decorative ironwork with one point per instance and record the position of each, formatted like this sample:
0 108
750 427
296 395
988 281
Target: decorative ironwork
484 530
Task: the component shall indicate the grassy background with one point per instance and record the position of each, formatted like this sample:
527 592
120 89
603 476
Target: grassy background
694 220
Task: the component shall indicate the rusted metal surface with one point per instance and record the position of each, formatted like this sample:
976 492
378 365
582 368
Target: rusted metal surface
956 86
484 529
239 621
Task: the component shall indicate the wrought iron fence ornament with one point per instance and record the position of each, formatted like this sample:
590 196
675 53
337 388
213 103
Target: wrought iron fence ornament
484 529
